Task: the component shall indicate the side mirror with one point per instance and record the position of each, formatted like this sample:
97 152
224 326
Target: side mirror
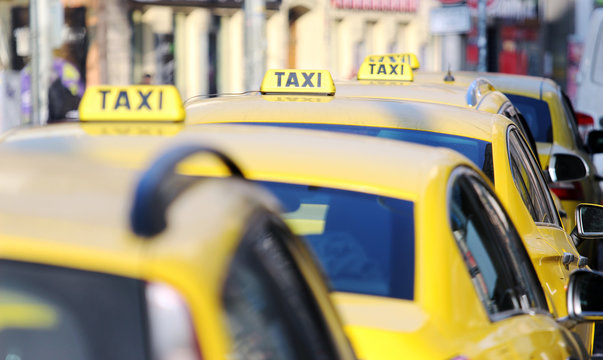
585 296
567 167
595 141
589 221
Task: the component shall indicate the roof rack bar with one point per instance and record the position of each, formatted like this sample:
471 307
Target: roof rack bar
160 185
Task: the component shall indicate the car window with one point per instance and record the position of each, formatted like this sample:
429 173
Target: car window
50 312
364 242
537 114
529 181
269 309
572 122
500 268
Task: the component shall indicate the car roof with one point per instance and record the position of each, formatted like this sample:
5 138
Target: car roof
440 92
386 113
524 84
304 156
69 211
431 92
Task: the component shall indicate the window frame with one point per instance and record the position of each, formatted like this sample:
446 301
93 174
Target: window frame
542 195
510 247
570 119
314 326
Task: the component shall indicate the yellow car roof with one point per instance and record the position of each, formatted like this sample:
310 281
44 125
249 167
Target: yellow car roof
519 84
339 110
74 212
450 93
330 159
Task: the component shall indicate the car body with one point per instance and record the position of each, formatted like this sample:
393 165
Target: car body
443 301
590 78
479 94
532 210
551 118
80 280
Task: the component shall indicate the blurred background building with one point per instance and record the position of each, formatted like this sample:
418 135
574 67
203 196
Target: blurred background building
198 45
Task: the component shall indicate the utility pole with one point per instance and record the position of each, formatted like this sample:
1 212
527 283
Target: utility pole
255 43
482 41
41 58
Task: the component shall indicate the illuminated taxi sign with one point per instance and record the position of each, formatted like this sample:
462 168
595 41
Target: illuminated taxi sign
385 71
132 103
298 82
405 58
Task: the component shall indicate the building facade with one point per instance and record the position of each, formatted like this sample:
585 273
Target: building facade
198 45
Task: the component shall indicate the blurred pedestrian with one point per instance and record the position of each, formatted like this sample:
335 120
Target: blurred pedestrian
65 90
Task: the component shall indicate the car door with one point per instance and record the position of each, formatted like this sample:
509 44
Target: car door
269 308
530 182
504 279
535 193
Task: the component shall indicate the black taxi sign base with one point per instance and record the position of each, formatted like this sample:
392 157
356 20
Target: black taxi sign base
161 103
318 82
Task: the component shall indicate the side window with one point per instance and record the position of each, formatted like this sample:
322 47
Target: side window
500 268
512 113
269 308
530 182
570 117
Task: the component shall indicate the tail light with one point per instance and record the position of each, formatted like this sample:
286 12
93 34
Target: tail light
570 190
586 123
171 328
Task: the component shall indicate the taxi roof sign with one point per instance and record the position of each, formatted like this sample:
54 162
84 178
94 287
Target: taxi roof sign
151 103
290 81
405 58
393 71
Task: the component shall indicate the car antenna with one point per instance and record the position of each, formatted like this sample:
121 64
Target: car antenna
449 77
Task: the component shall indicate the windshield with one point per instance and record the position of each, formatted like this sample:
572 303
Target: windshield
364 242
537 114
49 312
478 151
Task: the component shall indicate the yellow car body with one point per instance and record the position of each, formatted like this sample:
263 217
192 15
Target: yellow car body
78 283
550 247
479 94
550 115
444 316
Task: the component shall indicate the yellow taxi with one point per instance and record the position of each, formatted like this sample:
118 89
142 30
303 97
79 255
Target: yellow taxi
552 121
101 262
391 76
406 288
379 77
491 141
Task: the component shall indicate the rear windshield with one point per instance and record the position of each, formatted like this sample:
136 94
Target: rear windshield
478 151
49 312
537 115
364 242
